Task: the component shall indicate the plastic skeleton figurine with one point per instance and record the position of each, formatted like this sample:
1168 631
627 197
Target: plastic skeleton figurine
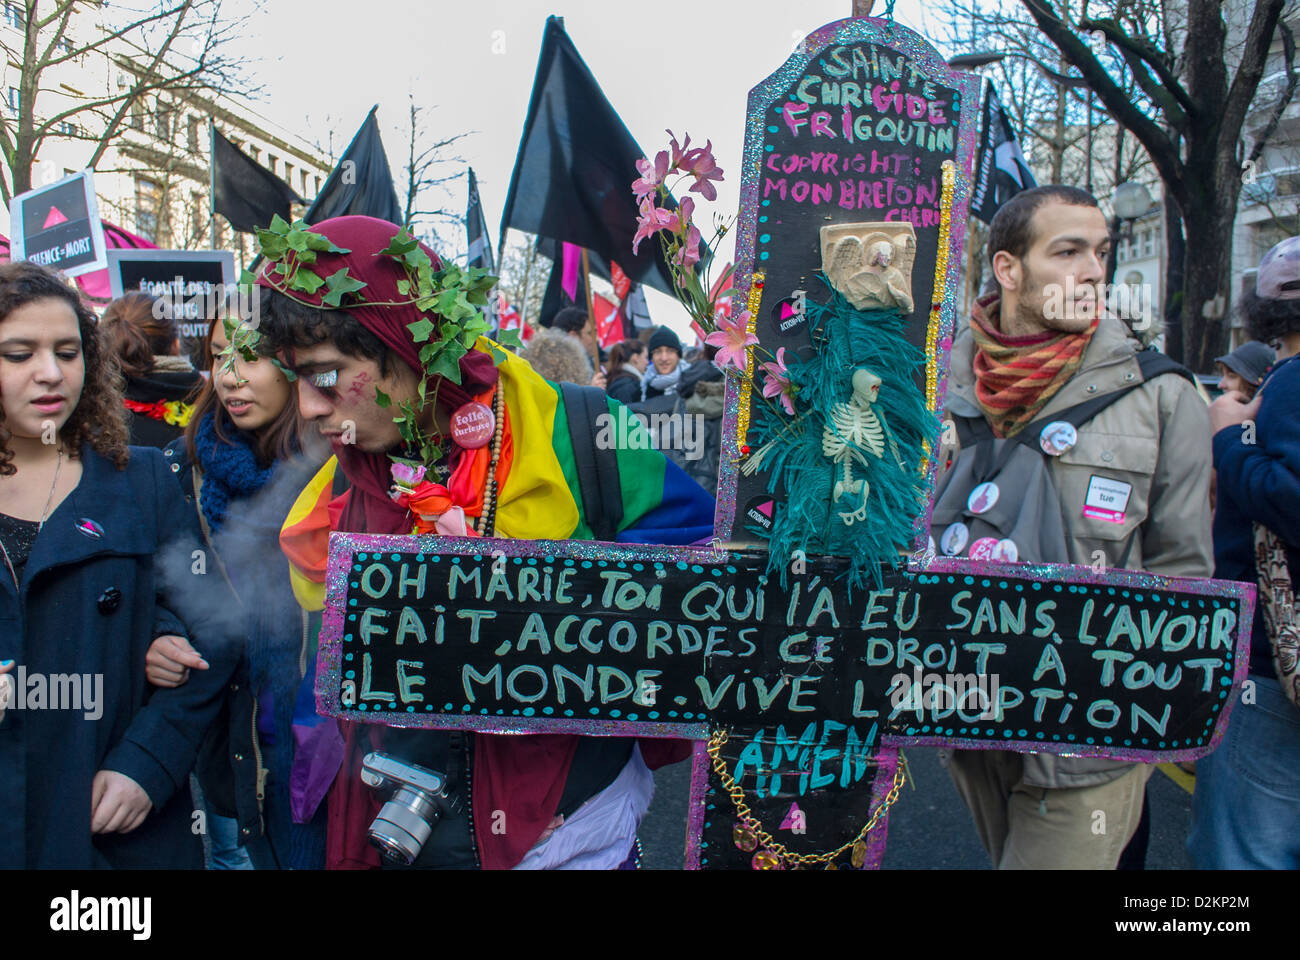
852 431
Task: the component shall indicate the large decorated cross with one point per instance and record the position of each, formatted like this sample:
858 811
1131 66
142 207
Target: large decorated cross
819 632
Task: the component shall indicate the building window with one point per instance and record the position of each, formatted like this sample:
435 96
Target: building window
270 162
253 151
1148 242
163 121
15 15
66 128
192 133
137 115
288 173
148 208
198 216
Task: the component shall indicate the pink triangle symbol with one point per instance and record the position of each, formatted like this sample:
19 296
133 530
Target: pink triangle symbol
766 508
787 311
790 816
54 218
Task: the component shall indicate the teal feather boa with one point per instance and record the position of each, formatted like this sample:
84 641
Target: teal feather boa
807 523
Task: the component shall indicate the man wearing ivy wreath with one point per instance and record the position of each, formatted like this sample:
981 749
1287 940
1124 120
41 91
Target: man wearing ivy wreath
435 428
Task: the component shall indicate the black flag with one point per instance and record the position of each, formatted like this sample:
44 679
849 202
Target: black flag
573 174
361 184
480 250
243 191
1002 171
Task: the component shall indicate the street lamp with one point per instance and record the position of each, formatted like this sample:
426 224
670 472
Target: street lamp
1128 202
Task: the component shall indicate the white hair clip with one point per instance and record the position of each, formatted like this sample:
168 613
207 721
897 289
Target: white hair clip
321 381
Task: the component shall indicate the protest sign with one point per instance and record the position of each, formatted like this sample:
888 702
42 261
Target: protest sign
812 681
191 283
58 226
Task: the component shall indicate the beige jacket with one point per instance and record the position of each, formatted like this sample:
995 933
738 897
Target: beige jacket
1156 440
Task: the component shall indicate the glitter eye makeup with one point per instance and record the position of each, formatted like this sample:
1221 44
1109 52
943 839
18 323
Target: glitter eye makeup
325 380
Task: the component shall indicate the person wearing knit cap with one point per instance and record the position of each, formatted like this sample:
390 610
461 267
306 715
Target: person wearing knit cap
664 375
345 357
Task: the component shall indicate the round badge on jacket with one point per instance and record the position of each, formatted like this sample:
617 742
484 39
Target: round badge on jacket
472 425
1058 437
954 539
983 497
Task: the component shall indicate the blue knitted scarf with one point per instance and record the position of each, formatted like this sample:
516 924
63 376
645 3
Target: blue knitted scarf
230 471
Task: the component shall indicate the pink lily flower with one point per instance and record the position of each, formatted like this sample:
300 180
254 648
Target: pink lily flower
679 152
778 382
700 164
685 211
689 253
651 221
651 175
732 338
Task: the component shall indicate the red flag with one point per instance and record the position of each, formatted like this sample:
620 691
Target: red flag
722 306
510 320
622 283
609 328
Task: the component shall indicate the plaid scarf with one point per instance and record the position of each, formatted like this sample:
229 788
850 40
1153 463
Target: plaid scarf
1016 376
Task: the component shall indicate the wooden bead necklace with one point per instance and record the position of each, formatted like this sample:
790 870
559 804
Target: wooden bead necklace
485 523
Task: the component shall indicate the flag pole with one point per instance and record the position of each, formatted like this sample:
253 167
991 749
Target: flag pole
212 178
591 312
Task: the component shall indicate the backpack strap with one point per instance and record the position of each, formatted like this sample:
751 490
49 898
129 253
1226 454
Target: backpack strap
598 481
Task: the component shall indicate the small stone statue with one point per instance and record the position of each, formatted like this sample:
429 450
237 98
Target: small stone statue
870 264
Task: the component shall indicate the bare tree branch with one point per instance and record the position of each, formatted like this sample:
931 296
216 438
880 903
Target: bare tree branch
1288 51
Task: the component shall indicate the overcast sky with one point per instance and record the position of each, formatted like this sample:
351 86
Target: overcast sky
684 67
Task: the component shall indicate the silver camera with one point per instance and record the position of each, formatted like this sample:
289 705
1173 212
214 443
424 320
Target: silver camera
420 797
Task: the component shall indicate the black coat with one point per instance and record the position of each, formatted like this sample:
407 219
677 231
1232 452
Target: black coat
92 599
624 385
158 386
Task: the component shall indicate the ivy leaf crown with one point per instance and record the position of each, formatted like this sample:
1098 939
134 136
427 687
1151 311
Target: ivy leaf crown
451 301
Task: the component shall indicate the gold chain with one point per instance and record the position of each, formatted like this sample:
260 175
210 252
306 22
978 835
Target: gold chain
764 838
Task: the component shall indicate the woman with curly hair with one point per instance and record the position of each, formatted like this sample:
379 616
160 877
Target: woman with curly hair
98 559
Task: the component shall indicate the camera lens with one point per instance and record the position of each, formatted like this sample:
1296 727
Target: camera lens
404 824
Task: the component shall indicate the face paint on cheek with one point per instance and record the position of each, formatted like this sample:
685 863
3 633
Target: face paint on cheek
358 386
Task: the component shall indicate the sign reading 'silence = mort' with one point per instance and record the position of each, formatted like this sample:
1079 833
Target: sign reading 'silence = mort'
546 637
58 226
